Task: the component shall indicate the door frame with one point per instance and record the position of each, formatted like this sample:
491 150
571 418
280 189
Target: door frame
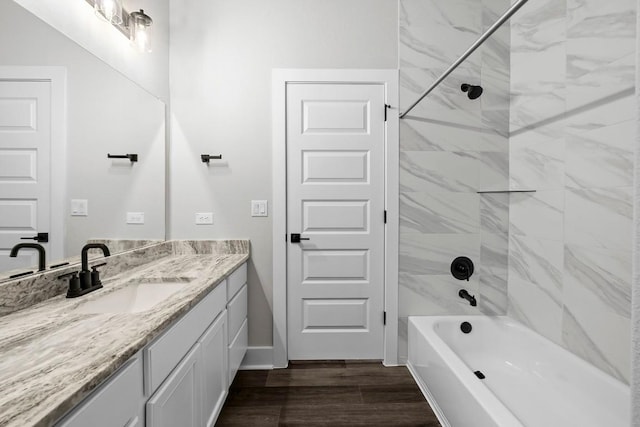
280 78
57 77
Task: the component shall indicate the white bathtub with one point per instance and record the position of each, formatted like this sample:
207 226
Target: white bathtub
529 381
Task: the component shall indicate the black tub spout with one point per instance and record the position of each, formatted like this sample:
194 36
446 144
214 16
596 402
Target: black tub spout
464 294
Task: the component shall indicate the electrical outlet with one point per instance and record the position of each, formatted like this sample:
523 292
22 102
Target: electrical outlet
259 208
135 217
204 218
79 207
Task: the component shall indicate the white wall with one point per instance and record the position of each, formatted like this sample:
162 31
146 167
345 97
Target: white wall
106 112
222 54
76 19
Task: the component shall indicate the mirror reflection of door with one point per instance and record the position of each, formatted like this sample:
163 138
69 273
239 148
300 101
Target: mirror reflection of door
25 151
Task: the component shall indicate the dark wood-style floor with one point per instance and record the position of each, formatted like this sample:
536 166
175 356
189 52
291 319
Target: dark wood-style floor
327 393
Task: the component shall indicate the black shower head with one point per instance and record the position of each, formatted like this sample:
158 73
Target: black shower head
473 92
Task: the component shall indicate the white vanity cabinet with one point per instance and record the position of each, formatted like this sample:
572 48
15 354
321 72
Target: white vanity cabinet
237 312
182 377
193 394
178 401
122 390
213 352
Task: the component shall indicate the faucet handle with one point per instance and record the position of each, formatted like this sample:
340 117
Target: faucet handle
95 274
62 276
95 267
74 284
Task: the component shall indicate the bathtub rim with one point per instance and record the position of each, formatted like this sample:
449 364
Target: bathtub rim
427 395
483 396
425 326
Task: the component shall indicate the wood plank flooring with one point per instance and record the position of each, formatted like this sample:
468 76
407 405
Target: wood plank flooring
327 393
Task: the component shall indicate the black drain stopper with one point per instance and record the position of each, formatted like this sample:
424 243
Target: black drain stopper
466 327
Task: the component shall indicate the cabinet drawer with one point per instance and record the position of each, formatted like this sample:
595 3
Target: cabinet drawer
165 353
123 390
237 312
237 349
236 280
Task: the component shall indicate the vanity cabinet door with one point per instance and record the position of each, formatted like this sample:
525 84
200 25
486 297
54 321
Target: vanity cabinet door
123 390
213 348
178 401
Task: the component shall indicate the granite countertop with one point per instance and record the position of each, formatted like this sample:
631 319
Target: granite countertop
52 357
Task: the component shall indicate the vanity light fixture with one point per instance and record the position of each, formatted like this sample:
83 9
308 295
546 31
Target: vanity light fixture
140 30
111 10
135 25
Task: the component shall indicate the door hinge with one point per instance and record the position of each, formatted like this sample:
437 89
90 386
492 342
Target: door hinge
384 317
385 216
386 107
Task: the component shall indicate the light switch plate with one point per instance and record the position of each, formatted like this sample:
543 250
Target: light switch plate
135 217
204 218
79 207
259 208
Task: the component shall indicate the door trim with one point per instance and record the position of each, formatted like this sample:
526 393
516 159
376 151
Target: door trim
280 79
57 77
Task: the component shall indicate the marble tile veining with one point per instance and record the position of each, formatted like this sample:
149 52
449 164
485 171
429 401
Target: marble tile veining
598 33
432 254
424 24
587 332
538 214
431 171
602 157
599 217
493 295
526 303
435 295
538 261
494 213
605 273
443 212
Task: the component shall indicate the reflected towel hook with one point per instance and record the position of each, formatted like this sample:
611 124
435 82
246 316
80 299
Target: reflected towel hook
207 157
132 157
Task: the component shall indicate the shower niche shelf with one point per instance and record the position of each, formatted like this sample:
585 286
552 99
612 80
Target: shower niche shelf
504 191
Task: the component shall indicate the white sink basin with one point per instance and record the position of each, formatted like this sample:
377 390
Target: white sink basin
136 297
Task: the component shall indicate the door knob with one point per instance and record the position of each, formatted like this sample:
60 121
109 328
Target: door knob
295 238
41 238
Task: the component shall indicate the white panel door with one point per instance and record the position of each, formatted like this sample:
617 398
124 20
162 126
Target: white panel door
25 149
335 199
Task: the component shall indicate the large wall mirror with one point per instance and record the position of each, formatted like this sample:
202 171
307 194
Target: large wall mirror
62 111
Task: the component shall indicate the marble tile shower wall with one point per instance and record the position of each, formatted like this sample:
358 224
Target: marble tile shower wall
572 124
451 148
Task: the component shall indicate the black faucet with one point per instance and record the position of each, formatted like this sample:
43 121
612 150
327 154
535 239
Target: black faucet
85 274
41 254
464 294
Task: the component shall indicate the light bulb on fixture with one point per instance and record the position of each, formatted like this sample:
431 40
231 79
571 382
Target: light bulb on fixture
140 30
111 10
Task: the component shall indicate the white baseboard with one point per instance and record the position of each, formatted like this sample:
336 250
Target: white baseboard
258 358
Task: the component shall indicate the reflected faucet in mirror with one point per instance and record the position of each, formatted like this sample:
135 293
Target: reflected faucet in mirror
41 253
